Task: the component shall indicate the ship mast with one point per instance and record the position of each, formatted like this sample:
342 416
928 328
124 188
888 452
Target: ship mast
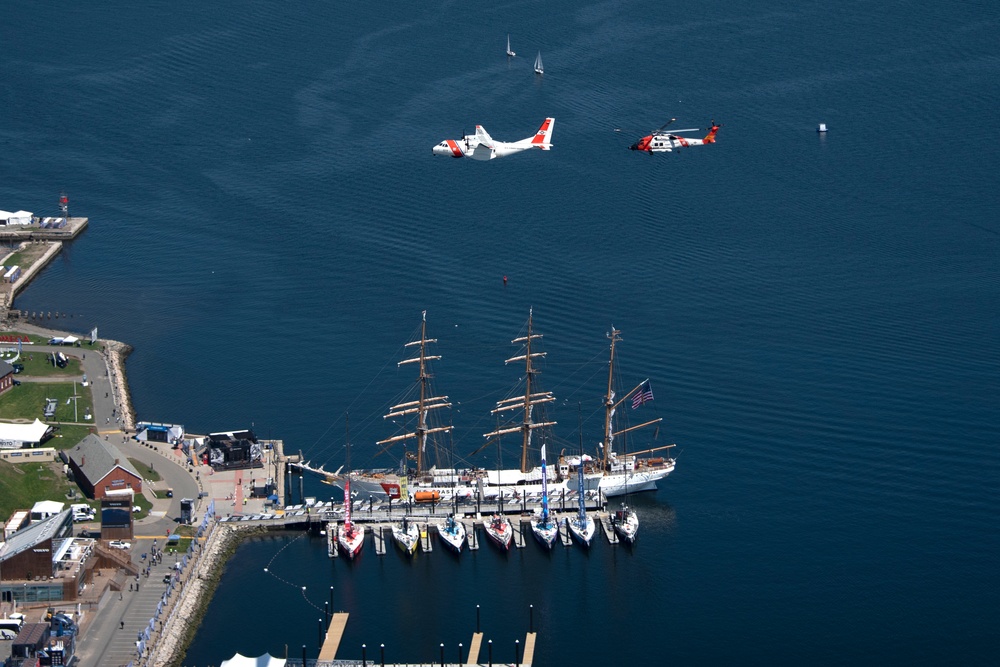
528 401
423 404
610 405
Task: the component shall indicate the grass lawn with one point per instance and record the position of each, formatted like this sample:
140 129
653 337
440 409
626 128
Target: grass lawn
28 402
180 547
146 470
24 484
39 364
32 337
140 501
27 255
67 435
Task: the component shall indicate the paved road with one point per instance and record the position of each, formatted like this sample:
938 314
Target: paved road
106 642
166 462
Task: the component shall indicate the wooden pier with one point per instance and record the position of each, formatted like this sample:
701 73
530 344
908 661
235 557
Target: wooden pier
338 624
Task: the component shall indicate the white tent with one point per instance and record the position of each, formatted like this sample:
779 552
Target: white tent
16 436
260 661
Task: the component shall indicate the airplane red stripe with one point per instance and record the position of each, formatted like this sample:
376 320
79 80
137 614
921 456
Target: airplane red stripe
455 150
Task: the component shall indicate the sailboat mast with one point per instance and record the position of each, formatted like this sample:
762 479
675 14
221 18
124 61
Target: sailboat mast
424 403
422 414
579 470
530 399
529 373
609 400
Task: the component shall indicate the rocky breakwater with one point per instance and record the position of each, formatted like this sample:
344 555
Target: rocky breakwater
198 586
115 354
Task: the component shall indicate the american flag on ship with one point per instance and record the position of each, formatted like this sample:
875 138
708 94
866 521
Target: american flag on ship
643 394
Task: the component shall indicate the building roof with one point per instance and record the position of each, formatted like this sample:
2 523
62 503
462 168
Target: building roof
26 538
6 368
33 432
96 458
48 507
265 660
32 634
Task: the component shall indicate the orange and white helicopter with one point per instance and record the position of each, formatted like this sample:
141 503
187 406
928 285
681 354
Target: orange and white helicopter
481 146
662 141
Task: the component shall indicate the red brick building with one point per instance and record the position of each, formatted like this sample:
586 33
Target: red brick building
99 467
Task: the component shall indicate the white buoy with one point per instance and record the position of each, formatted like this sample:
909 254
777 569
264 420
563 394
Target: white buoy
821 128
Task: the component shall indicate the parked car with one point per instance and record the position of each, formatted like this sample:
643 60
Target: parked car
18 368
119 544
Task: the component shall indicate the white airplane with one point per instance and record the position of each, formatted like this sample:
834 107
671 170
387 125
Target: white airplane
481 146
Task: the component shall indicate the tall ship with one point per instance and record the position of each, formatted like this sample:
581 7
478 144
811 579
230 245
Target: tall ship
612 472
626 472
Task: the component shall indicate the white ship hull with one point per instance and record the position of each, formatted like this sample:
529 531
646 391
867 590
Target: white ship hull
546 533
382 486
453 538
582 532
350 544
407 539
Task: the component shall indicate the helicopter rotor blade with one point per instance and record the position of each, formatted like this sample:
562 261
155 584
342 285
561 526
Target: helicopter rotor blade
690 129
662 127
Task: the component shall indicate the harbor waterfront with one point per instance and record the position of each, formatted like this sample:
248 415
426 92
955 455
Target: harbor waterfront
816 312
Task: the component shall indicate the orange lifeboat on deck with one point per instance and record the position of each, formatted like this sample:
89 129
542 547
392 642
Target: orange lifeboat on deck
427 496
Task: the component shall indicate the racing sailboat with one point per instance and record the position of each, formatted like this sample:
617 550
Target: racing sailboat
499 530
625 523
544 528
407 536
510 54
582 526
349 538
538 64
452 533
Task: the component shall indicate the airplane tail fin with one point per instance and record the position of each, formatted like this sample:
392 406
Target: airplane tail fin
543 137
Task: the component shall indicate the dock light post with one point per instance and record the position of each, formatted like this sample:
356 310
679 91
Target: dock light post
517 652
326 612
531 618
477 618
460 653
364 655
331 599
442 655
489 645
319 625
303 655
382 651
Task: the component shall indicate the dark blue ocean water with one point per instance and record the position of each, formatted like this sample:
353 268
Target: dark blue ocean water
818 314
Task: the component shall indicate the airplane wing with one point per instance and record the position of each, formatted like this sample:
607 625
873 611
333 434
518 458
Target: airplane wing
481 151
483 137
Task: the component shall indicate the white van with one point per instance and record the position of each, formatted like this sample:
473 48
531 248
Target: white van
9 627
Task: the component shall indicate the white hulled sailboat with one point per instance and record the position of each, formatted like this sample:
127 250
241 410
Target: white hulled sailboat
407 536
349 538
510 54
544 528
452 533
538 64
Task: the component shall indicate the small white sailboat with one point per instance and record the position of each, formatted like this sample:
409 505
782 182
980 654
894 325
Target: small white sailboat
626 523
407 536
510 54
538 64
499 531
545 529
452 533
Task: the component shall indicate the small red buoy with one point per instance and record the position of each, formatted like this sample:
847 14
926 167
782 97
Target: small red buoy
505 281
